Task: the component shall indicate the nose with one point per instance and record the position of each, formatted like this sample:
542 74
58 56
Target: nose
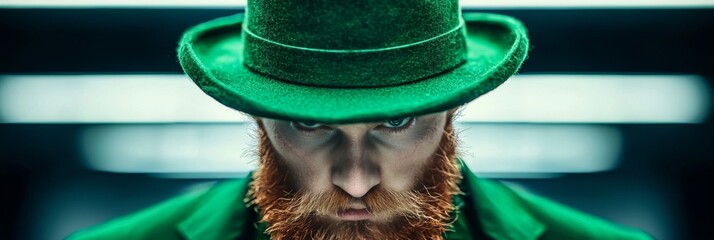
356 181
354 172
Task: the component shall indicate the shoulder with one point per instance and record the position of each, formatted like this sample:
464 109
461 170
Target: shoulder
159 221
560 221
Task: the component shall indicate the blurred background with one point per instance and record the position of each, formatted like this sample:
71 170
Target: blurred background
611 113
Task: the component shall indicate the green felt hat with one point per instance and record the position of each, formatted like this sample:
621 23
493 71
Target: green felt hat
344 61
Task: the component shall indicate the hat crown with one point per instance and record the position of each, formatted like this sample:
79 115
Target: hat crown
351 24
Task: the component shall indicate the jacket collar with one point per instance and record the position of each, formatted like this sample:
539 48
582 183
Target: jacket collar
501 211
223 214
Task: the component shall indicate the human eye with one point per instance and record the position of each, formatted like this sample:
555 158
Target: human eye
308 127
398 124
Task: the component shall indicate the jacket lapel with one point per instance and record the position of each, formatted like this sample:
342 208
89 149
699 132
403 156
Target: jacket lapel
221 216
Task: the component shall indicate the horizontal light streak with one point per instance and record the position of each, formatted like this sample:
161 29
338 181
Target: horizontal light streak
464 3
531 148
524 98
108 99
229 150
169 148
595 99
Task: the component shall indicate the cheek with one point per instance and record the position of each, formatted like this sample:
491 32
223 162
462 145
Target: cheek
405 162
307 163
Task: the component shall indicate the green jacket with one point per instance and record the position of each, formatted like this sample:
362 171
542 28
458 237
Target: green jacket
500 211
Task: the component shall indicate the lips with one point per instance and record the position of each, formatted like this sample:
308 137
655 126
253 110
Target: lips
352 214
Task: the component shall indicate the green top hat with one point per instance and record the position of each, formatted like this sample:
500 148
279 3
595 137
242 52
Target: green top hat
344 61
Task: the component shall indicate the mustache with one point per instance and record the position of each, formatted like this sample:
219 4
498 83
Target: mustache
380 202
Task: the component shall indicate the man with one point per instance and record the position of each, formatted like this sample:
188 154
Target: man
354 103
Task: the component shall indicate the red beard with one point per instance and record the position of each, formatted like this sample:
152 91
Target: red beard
422 213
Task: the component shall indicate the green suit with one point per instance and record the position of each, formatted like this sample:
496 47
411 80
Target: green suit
501 212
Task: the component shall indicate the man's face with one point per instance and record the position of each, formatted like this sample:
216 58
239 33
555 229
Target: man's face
363 179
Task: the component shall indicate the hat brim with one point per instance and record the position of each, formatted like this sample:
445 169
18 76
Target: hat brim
211 55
